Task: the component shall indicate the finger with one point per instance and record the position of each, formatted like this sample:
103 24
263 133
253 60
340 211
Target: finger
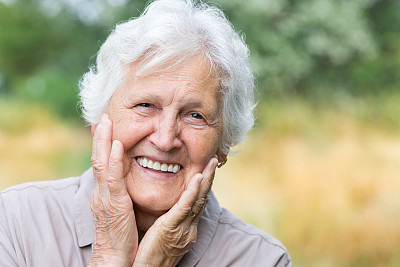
197 206
127 162
96 135
115 175
94 150
179 212
196 219
101 149
208 173
205 187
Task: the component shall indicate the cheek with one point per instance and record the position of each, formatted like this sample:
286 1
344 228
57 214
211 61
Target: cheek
202 146
130 130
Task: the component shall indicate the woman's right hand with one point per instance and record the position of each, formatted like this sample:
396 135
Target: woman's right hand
115 233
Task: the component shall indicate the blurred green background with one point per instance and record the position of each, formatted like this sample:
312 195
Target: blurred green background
321 169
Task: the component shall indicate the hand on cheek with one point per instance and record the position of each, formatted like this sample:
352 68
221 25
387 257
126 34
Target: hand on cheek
116 236
115 231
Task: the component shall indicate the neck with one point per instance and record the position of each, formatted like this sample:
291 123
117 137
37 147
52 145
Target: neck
145 218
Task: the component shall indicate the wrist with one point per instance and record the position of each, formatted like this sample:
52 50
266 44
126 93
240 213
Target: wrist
107 260
165 262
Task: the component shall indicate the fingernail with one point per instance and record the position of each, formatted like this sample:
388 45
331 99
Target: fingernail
115 144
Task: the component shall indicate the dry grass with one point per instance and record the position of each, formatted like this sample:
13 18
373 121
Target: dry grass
323 182
34 145
327 188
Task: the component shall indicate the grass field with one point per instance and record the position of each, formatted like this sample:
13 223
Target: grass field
324 178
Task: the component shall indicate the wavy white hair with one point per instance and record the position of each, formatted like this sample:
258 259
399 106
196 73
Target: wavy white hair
176 30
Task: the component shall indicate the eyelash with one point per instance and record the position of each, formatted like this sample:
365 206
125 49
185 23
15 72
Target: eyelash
145 105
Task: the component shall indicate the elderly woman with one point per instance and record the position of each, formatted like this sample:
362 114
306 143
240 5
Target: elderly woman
171 93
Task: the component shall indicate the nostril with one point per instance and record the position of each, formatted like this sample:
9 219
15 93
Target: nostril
165 141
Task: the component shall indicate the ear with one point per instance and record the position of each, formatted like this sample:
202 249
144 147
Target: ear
93 128
221 156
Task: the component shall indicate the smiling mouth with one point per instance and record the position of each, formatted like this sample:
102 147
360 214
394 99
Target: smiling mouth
158 166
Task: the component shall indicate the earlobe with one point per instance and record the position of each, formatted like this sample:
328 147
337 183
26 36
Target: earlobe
222 158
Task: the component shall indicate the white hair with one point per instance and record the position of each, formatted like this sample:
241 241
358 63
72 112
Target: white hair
176 30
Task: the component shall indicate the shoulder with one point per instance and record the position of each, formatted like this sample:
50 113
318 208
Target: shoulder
36 191
235 226
59 184
38 200
247 245
37 223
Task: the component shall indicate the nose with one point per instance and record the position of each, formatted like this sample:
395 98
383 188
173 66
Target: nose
166 135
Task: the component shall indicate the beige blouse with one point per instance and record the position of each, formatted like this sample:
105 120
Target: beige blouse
50 224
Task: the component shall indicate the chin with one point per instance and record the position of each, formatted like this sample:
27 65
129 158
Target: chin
152 193
153 205
158 200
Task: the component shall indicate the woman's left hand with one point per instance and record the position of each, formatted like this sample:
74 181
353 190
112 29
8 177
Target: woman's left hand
174 233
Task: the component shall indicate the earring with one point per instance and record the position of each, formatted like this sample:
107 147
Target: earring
222 163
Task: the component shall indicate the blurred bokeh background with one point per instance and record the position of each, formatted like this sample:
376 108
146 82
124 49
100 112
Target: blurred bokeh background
321 169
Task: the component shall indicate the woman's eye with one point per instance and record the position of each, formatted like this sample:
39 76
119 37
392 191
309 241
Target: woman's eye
196 116
145 105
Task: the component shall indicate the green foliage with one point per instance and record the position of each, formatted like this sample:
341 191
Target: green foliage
309 47
43 54
319 64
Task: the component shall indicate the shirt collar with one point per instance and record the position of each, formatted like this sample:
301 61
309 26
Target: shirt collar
83 213
205 232
84 221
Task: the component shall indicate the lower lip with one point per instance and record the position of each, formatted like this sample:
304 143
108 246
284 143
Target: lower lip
154 173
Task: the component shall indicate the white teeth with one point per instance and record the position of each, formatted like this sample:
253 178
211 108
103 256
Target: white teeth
164 167
148 163
143 162
176 168
156 166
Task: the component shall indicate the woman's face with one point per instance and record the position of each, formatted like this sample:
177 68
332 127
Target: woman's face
172 119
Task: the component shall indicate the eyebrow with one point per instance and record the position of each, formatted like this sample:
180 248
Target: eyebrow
200 104
152 97
194 103
145 97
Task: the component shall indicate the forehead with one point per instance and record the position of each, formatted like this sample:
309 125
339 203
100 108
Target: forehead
192 76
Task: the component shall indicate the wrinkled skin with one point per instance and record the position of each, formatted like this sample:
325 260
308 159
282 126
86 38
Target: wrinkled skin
141 215
116 235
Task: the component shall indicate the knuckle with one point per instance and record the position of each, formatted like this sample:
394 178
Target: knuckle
113 163
95 207
112 180
98 165
184 207
198 204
